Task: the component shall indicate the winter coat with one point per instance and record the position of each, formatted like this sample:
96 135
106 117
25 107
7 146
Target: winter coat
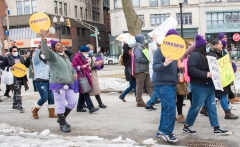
152 48
95 84
61 71
218 54
69 53
78 61
127 61
41 69
141 63
8 61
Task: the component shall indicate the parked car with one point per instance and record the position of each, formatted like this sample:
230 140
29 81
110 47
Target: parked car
110 59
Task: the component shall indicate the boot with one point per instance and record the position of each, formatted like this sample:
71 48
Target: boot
51 111
180 118
234 100
204 111
229 115
67 111
101 105
141 104
35 111
62 123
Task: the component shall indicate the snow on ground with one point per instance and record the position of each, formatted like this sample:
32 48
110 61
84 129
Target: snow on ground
113 84
19 137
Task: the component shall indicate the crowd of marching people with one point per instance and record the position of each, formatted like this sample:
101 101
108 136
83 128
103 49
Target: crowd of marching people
57 75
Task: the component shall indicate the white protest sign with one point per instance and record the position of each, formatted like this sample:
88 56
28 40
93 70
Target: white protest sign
161 31
128 38
214 69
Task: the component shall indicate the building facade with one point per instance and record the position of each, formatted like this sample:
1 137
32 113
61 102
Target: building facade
206 17
89 11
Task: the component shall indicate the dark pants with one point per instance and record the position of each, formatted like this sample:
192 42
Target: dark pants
8 89
180 99
34 85
17 98
84 98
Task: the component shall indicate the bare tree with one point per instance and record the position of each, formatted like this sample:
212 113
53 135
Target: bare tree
134 23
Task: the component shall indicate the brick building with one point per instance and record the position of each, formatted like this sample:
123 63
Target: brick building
89 11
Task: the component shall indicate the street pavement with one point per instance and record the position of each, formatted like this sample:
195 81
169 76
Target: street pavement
119 118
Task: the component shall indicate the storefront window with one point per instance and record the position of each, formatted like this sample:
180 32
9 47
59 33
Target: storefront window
228 17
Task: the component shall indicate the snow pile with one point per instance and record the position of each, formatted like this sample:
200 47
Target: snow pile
5 128
24 138
114 84
149 141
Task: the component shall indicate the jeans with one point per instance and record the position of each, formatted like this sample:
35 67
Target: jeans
153 99
45 93
202 95
223 101
132 85
167 96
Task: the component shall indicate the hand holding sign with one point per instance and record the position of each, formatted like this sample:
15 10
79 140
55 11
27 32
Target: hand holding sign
19 70
43 33
173 46
168 60
39 21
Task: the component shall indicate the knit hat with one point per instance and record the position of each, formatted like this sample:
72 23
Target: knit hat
84 49
221 35
53 43
171 32
224 43
199 41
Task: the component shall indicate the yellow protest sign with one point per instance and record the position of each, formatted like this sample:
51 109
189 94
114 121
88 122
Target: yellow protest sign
226 71
173 46
20 70
39 21
145 52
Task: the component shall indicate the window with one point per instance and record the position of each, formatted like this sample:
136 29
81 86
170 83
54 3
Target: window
187 18
55 7
142 18
115 4
75 10
136 3
68 31
213 0
65 9
185 2
60 8
153 2
165 2
107 25
78 32
233 0
83 32
64 30
26 7
86 15
34 6
157 19
93 16
81 13
215 18
19 7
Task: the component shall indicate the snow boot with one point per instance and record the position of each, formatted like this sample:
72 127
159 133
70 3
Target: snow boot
229 115
67 111
51 111
35 111
62 123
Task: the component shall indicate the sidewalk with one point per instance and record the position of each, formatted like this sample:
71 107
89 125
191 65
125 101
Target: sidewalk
120 118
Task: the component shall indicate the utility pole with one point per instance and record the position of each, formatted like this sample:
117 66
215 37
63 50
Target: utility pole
7 18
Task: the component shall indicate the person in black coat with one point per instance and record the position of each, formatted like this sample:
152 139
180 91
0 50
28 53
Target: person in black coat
216 50
127 61
9 62
68 52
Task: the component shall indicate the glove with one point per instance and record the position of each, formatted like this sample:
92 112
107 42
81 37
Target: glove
93 67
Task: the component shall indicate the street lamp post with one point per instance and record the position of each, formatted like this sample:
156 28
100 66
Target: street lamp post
58 27
181 20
